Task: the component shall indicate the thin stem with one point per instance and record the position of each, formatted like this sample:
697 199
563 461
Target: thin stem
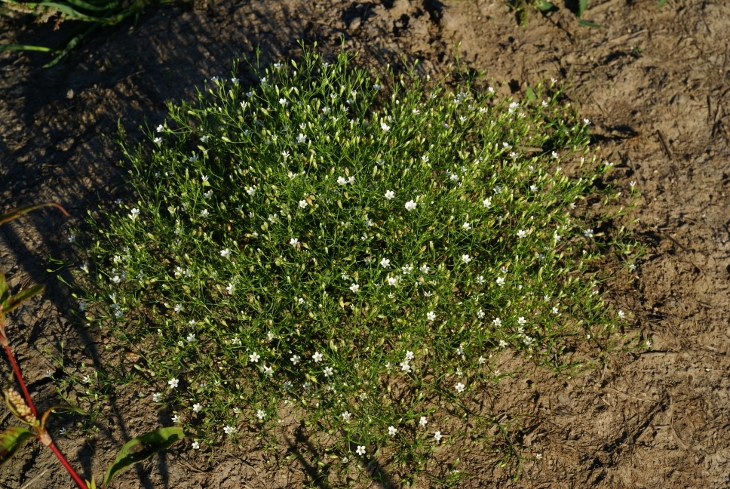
19 376
16 369
76 477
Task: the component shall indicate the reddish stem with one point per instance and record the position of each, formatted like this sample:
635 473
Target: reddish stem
79 481
19 376
16 369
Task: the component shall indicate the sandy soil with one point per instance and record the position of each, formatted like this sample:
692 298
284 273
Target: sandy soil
655 84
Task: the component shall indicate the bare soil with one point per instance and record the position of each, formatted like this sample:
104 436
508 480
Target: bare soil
653 81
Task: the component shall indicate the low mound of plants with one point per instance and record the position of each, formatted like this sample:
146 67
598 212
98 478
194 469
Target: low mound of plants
355 252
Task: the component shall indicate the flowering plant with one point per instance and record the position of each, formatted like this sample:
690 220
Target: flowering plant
357 250
24 409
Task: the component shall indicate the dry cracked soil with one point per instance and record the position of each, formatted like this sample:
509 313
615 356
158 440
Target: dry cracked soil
653 80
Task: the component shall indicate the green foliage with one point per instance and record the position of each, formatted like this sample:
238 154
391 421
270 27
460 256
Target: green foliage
578 7
356 254
89 16
24 410
11 440
143 447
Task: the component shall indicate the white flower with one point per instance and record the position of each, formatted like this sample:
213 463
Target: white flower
392 430
160 128
175 418
225 253
465 258
586 122
341 181
261 414
385 263
500 281
431 316
497 322
389 195
423 421
437 436
521 233
191 337
466 226
354 288
360 450
406 269
156 397
405 366
410 205
157 140
295 359
588 233
301 138
621 314
460 387
392 281
480 314
317 357
303 204
133 214
268 371
250 190
254 357
346 416
294 241
328 371
385 127
482 360
229 429
197 407
480 279
204 213
173 383
503 344
196 445
231 287
521 321
409 356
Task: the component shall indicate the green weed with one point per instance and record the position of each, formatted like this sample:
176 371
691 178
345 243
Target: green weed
355 253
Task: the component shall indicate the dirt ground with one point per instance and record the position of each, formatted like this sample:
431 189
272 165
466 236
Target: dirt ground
653 81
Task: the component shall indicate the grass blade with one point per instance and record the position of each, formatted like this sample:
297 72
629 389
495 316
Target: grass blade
15 301
25 47
16 213
142 448
582 5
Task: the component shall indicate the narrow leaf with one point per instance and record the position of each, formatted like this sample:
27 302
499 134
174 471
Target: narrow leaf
53 409
582 5
16 300
544 6
25 47
4 289
142 448
11 440
14 214
588 23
